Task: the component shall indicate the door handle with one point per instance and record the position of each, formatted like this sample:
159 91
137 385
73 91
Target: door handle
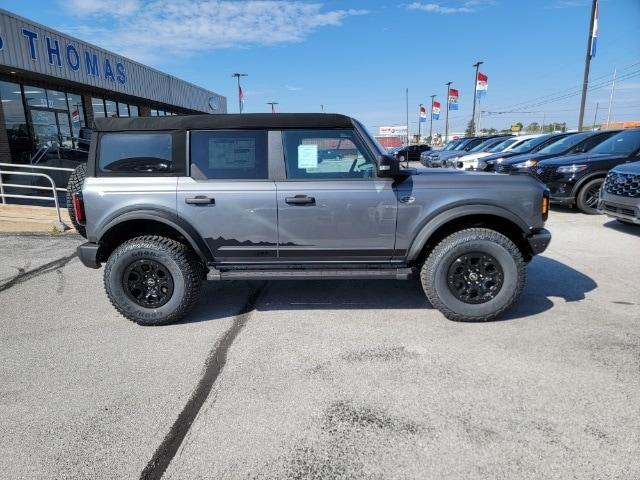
300 200
200 200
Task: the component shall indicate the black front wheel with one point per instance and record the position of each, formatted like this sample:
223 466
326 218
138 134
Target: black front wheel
587 198
474 275
152 280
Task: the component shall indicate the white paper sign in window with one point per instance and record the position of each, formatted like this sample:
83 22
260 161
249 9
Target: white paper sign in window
307 156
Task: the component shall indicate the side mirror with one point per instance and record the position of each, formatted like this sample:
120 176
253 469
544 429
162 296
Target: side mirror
389 167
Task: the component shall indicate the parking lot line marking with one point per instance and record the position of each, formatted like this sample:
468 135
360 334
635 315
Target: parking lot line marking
213 366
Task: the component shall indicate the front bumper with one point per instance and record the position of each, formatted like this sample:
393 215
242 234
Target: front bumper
88 254
539 240
624 208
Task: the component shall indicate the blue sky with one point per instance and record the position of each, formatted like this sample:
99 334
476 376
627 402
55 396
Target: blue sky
357 57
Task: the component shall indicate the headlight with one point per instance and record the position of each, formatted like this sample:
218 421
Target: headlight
498 160
572 168
527 164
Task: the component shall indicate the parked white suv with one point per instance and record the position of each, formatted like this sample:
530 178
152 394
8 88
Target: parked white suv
473 161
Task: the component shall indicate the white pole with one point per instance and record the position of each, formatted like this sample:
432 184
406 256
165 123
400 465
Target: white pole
613 86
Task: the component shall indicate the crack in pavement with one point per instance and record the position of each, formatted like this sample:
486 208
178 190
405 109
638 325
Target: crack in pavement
36 272
214 364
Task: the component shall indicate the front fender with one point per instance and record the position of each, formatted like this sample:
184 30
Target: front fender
442 218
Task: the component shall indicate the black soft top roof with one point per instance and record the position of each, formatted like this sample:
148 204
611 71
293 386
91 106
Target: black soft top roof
224 121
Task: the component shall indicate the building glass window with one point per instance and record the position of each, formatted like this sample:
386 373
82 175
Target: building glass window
133 111
110 108
77 113
123 109
35 97
98 107
57 100
154 112
15 122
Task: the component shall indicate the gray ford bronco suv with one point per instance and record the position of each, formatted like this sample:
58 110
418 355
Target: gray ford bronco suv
168 202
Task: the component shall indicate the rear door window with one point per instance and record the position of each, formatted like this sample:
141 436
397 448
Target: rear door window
136 153
229 154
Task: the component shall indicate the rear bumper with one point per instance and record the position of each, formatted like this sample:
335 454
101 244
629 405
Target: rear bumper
539 240
88 254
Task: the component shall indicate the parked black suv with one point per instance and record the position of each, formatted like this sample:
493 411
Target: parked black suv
493 162
576 179
569 145
620 193
411 153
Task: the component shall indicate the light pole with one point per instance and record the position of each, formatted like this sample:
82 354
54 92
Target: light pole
613 87
446 121
407 106
475 92
322 107
587 64
431 121
240 94
273 106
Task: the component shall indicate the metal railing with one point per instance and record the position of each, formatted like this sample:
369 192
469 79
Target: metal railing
53 189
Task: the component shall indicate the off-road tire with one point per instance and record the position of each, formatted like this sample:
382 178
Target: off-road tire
182 264
581 198
75 186
434 271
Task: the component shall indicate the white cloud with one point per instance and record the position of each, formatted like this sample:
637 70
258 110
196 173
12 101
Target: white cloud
568 4
293 88
152 29
466 7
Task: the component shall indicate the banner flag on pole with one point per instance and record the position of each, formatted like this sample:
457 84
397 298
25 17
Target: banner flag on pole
423 114
482 84
453 99
241 97
435 113
594 34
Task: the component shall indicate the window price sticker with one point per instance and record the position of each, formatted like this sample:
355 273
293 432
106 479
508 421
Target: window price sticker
307 156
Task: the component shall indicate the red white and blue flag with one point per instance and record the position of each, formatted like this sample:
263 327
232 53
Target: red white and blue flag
594 34
241 97
482 84
423 114
435 112
453 99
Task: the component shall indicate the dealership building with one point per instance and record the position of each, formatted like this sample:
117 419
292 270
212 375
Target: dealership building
52 85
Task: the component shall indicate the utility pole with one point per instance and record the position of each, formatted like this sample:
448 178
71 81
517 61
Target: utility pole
475 85
595 117
446 121
273 106
407 105
431 121
587 64
240 94
544 118
613 87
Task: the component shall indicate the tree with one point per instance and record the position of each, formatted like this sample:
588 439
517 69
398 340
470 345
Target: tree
471 128
533 127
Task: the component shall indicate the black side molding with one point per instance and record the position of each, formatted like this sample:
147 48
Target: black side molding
539 240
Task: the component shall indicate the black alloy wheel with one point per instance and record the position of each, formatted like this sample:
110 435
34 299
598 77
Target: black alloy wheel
588 196
475 278
148 283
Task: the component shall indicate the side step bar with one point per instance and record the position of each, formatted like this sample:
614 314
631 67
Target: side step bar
310 274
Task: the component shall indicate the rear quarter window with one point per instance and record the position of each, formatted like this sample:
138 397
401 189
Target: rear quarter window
136 153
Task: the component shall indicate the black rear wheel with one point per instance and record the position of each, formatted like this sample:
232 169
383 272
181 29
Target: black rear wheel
153 280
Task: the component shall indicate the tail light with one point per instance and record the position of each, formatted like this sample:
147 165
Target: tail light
78 207
544 206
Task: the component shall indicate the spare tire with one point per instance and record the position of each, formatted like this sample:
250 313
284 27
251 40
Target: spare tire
75 186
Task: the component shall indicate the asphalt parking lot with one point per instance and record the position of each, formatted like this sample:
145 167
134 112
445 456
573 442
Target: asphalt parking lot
345 379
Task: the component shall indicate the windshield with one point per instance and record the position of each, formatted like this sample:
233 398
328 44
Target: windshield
565 144
484 146
624 143
462 144
451 145
528 145
502 145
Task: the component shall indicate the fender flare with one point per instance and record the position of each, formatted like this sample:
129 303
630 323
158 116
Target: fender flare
163 216
447 216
